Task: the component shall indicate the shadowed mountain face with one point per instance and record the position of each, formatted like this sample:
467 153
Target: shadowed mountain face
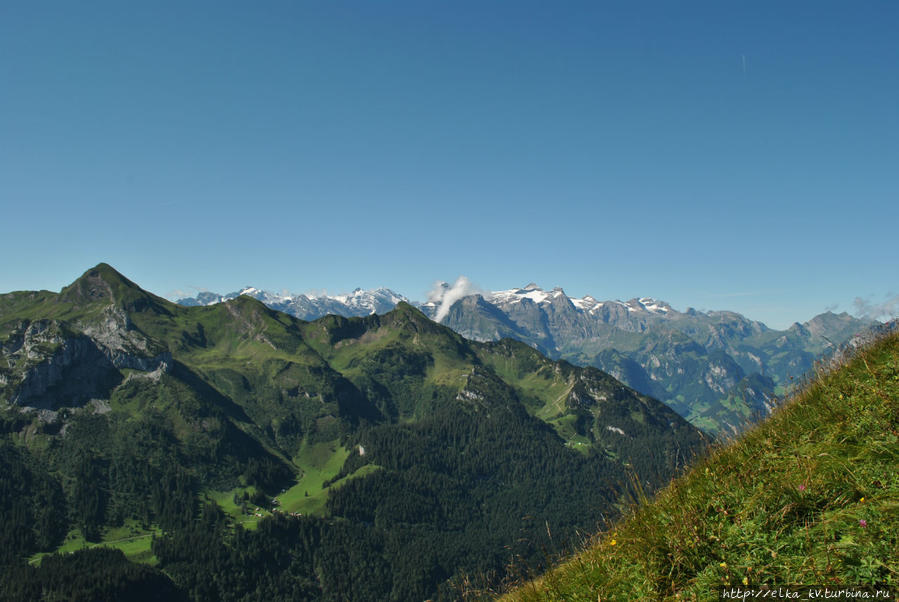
420 455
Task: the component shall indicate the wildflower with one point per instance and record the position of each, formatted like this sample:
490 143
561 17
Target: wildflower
862 522
801 486
861 501
613 542
723 565
745 580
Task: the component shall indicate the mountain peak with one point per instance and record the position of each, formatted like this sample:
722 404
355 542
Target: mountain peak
408 316
104 284
98 283
405 308
531 286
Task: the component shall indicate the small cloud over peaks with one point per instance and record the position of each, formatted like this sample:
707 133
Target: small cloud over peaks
444 295
185 293
889 308
178 294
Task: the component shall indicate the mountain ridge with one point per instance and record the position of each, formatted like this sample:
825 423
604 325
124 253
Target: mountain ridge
700 363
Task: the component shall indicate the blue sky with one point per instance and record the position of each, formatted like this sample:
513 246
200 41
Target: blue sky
712 154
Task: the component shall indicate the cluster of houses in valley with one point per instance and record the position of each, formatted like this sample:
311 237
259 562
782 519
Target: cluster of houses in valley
259 512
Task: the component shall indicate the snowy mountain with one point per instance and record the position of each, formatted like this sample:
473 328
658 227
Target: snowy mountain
587 303
310 307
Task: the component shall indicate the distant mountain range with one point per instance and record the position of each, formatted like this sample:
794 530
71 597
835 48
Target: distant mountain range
311 307
718 369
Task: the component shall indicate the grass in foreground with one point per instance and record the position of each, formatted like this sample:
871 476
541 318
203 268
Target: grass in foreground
810 496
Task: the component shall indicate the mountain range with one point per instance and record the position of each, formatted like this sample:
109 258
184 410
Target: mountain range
719 369
310 307
239 452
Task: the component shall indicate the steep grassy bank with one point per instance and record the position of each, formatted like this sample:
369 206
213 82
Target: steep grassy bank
810 496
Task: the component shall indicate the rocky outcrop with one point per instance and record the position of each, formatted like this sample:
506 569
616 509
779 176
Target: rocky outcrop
50 365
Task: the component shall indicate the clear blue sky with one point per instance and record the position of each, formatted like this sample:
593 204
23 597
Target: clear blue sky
720 155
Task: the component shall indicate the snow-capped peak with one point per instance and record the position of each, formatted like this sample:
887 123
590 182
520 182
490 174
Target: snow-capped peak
586 303
658 307
374 301
531 292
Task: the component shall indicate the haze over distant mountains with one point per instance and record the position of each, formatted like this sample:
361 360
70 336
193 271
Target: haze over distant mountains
718 369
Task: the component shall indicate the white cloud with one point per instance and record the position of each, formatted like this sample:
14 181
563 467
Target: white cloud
875 311
444 295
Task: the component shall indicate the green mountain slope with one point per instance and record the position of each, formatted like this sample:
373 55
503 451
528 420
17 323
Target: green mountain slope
415 457
809 496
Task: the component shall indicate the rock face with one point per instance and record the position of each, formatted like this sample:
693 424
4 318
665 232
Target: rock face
53 363
50 367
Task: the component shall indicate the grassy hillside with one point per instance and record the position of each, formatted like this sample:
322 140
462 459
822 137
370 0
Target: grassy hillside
810 496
